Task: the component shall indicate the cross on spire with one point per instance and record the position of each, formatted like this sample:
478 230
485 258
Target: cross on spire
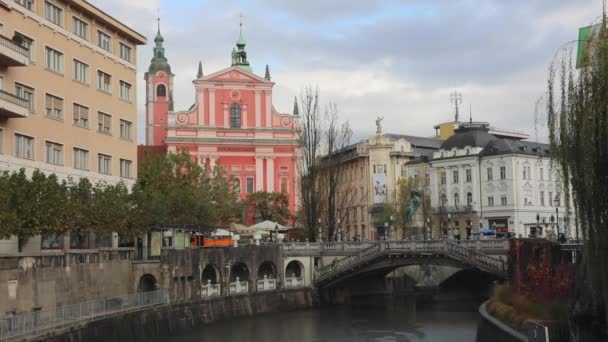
158 18
241 23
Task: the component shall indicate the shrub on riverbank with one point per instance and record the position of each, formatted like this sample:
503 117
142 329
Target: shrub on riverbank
516 310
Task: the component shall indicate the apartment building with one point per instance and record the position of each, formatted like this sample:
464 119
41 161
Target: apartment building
67 91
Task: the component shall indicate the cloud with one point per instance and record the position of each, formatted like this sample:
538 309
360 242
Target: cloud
395 58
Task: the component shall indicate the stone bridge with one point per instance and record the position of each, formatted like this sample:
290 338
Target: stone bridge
386 256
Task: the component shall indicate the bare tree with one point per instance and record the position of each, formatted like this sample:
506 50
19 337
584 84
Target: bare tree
337 137
310 139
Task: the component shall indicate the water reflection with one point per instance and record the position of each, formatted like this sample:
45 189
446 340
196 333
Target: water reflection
372 319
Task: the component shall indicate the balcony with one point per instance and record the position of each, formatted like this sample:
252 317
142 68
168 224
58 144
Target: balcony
13 54
12 106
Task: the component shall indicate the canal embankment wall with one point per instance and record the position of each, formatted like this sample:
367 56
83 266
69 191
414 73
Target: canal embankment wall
181 318
492 329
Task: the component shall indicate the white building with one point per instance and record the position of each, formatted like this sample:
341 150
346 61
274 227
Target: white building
480 178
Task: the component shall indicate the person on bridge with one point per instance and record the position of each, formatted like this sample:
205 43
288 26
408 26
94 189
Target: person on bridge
456 233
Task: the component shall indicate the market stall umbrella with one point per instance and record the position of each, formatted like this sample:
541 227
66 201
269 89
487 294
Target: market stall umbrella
268 226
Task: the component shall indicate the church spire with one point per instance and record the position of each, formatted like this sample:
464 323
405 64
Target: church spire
159 60
239 55
296 110
267 75
200 70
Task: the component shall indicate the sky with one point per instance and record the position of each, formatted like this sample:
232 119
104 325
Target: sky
399 59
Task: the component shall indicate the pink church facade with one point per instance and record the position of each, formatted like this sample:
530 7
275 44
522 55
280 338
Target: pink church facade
232 125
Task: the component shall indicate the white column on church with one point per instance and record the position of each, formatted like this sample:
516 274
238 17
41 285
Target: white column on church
259 174
226 116
258 109
212 107
201 109
244 116
268 109
270 174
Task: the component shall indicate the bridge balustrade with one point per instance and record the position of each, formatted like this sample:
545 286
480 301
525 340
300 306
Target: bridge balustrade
267 284
210 290
293 282
239 287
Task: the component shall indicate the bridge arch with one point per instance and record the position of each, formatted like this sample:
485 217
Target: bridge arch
267 269
239 270
210 274
147 283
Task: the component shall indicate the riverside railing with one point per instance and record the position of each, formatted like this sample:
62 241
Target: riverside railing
39 321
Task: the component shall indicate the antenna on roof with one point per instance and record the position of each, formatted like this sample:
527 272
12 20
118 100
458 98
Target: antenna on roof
470 113
456 99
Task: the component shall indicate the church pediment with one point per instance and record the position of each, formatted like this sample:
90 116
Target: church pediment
235 74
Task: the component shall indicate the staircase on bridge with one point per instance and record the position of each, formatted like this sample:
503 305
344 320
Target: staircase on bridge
465 255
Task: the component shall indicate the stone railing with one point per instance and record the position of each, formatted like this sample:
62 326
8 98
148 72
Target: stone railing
65 258
210 290
480 260
239 287
267 284
345 248
448 248
292 282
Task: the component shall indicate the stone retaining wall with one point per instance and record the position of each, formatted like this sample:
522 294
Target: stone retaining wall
182 317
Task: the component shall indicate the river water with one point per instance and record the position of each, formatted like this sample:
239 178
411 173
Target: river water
373 318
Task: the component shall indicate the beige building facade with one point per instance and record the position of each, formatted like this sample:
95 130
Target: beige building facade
370 172
67 91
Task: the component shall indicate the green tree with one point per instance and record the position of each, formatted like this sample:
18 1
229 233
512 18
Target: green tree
225 198
577 111
31 205
272 206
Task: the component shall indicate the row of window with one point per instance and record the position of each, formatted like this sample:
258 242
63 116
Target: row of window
353 214
503 200
80 27
54 108
283 185
24 147
80 73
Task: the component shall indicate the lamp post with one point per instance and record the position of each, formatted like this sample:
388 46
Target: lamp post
320 231
556 203
276 233
448 228
392 233
428 226
385 229
339 235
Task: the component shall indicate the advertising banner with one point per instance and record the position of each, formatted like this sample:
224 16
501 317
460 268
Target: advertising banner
155 243
180 240
587 41
379 188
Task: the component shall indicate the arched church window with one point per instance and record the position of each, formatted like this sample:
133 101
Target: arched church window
235 116
161 90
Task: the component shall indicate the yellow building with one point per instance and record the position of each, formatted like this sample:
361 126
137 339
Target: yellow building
67 90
